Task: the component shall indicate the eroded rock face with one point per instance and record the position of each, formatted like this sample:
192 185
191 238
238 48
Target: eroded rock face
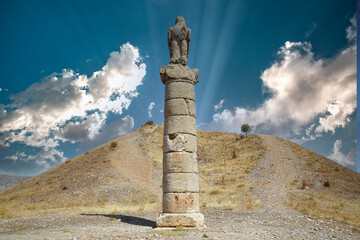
179 72
183 219
180 106
180 168
180 202
180 143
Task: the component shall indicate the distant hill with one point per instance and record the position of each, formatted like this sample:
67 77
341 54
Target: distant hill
237 172
8 180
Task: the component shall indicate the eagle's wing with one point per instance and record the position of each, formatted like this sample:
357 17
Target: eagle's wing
188 40
169 41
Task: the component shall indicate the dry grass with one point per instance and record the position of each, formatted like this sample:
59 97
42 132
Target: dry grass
324 188
225 161
326 204
151 143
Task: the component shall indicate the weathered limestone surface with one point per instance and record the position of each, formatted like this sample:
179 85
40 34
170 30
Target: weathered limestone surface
180 168
180 202
183 90
178 142
175 162
180 73
180 106
180 182
180 124
184 219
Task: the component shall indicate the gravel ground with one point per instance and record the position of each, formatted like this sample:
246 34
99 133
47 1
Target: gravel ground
262 224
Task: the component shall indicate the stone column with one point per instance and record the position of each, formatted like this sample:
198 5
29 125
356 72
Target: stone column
180 170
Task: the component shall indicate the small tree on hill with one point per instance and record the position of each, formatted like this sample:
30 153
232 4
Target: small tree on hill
245 128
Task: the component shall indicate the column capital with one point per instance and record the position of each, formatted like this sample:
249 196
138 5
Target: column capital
180 73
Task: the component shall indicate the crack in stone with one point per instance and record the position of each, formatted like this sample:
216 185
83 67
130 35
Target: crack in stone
180 151
181 133
187 107
170 98
181 80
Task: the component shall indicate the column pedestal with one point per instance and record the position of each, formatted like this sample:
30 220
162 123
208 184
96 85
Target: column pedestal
183 219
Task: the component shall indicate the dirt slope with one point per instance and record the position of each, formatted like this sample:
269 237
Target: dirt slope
112 177
303 180
237 173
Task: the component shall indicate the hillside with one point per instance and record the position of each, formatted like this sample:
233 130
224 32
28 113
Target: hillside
237 172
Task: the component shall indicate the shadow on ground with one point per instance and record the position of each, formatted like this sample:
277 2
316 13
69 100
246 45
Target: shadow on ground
127 219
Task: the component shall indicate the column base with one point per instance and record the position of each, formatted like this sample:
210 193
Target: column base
184 219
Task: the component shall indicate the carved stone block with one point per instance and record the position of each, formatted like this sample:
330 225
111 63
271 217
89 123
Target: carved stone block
175 162
180 182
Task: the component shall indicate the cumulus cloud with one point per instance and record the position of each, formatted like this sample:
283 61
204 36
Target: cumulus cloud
150 108
219 105
351 30
71 107
343 159
42 158
109 132
46 156
304 90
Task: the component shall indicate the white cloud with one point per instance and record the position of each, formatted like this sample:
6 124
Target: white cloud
109 132
47 156
219 105
73 107
351 30
86 129
14 157
304 89
343 159
150 108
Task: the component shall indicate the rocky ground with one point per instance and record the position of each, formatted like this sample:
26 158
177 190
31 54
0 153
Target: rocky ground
262 224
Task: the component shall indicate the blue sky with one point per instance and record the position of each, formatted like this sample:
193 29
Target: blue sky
76 74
